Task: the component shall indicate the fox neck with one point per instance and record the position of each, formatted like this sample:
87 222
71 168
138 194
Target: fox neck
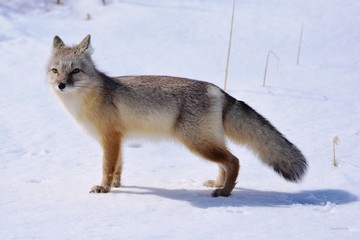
78 105
72 102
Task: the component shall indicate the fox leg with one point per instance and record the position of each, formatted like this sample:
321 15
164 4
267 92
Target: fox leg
229 171
117 174
111 166
220 180
229 165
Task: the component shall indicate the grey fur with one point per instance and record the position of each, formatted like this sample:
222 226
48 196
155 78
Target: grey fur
258 134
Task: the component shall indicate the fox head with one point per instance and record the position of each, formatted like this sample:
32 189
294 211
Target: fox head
70 68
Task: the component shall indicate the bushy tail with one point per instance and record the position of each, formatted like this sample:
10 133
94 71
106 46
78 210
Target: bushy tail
244 125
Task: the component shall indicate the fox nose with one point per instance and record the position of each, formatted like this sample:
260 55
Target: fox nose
61 86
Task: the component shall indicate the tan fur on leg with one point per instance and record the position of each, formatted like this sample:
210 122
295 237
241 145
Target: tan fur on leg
111 149
117 175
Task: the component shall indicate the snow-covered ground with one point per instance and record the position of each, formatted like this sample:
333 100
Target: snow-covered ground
48 165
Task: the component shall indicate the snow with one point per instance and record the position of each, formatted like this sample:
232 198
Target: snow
48 165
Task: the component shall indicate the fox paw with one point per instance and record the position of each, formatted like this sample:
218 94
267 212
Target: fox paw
212 184
116 184
99 189
220 192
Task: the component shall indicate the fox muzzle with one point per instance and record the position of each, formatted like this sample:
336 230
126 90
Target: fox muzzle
61 86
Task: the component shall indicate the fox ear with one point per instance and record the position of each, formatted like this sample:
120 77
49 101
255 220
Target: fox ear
57 43
84 45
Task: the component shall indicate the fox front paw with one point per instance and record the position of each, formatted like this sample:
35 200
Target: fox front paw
99 189
116 184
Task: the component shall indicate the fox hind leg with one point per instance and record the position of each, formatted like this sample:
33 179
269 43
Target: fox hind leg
207 139
228 171
229 165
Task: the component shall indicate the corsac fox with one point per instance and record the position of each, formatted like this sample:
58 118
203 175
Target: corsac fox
198 114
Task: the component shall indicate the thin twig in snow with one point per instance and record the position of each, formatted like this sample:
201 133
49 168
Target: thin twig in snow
336 141
270 52
299 48
228 54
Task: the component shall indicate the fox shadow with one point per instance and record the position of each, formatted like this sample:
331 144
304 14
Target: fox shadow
242 197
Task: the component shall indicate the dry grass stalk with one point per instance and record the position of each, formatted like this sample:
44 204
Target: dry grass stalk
229 48
336 141
299 48
267 63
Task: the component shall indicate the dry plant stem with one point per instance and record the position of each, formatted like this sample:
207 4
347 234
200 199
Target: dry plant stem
336 141
229 48
299 48
267 63
334 160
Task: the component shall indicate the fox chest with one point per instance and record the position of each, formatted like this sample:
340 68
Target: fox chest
78 108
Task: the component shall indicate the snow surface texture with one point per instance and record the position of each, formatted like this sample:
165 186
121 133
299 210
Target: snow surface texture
48 165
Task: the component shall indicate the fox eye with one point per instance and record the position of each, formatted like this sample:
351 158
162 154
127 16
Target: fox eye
76 70
54 70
